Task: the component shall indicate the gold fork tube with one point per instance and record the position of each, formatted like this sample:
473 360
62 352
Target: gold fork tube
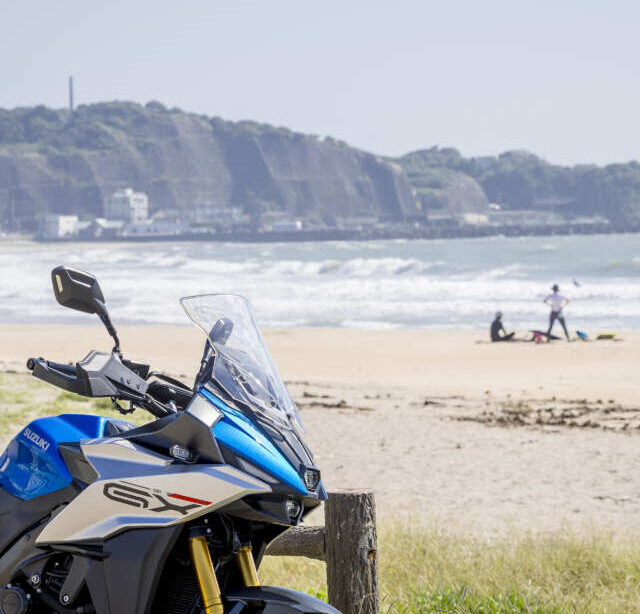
248 567
206 574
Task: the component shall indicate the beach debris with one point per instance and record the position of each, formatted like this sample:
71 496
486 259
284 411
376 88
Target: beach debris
310 395
319 398
328 404
427 403
549 414
615 499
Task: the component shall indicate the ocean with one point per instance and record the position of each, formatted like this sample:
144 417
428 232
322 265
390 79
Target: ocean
444 284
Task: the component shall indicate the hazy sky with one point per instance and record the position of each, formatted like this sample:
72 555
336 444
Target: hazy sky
560 78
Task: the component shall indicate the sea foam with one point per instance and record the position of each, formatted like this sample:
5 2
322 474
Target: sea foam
377 285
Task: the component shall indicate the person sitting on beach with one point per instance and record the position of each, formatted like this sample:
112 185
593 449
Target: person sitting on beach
498 333
557 302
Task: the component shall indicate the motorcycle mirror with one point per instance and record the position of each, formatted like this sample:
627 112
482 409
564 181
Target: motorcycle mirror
81 291
221 331
77 290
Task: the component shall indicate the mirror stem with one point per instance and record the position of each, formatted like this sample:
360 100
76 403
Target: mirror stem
112 331
106 320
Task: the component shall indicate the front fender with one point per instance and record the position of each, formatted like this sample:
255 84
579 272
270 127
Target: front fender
278 600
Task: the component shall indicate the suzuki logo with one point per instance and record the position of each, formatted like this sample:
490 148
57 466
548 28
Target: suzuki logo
36 439
153 501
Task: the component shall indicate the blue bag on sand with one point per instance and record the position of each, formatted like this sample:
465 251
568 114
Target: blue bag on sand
582 335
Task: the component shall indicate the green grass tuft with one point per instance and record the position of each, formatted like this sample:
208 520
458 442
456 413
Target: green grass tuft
428 570
15 397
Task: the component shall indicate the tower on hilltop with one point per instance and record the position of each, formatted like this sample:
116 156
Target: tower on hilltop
71 94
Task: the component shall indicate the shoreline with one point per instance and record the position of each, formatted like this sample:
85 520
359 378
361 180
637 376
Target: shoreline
480 232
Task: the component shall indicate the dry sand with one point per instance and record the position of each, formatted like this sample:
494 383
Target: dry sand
440 424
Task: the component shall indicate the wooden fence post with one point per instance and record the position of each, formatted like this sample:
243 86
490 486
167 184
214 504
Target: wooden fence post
300 541
352 551
348 545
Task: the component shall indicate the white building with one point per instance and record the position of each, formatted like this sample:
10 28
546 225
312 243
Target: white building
287 226
128 206
474 219
207 214
59 226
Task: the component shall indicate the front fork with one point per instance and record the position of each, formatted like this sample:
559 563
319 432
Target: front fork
206 574
248 566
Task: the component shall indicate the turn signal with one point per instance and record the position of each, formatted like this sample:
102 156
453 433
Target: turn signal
312 479
180 453
293 509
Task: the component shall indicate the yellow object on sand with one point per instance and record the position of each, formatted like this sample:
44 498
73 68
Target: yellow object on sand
602 336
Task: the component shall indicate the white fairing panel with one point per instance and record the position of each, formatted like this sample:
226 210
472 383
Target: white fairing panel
138 488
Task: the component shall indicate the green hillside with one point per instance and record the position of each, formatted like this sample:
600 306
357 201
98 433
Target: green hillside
56 161
520 180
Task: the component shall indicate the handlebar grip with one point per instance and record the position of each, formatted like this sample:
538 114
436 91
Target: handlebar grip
57 366
61 375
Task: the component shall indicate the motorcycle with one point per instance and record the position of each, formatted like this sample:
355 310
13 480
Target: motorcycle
172 517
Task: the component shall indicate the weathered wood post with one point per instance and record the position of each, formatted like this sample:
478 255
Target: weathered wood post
348 545
300 541
352 551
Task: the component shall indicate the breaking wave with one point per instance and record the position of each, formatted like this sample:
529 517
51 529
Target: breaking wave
376 285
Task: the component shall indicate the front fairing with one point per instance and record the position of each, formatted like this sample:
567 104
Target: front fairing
259 429
237 433
277 456
212 431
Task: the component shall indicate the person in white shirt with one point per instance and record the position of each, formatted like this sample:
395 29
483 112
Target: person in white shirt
557 302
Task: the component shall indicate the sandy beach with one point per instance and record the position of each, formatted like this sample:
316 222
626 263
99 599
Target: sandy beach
442 425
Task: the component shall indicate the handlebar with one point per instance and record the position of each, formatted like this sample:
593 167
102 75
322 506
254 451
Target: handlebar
101 375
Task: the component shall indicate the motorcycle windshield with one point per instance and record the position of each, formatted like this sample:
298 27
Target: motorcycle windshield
243 366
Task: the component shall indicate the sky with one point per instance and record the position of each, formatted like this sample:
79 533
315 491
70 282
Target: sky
559 78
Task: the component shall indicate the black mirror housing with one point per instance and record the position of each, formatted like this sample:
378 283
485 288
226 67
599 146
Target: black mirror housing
221 331
77 290
81 291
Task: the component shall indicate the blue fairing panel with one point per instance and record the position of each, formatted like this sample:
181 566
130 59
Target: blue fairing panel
31 466
239 433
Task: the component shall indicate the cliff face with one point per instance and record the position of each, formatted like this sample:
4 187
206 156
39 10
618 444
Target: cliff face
440 188
521 180
51 161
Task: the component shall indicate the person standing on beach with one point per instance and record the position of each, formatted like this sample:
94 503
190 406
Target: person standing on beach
557 302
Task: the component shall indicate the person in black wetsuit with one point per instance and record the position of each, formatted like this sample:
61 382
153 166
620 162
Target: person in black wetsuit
498 333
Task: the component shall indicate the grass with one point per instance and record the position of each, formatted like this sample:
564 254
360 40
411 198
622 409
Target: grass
8 394
23 398
424 569
428 570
